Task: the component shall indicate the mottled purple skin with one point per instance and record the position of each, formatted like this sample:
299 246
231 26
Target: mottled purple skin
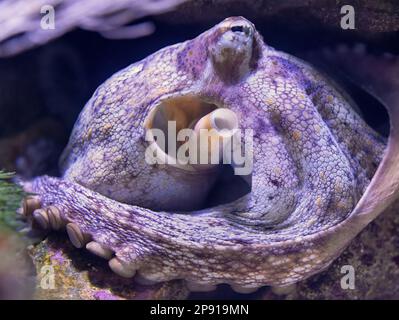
313 159
104 295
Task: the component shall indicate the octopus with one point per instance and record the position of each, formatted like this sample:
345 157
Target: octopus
319 173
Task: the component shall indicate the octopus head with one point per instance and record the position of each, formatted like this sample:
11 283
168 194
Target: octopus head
234 48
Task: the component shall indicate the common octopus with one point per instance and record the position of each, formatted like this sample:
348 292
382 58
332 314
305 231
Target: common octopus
320 174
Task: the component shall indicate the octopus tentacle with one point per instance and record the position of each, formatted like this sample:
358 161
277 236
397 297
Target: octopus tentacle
362 69
99 250
141 244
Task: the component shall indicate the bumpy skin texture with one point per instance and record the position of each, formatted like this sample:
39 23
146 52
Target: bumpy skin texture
313 157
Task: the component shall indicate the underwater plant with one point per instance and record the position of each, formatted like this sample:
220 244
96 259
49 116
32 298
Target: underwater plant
10 198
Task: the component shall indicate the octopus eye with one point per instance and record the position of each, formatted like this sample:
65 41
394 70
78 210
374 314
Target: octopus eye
237 29
242 29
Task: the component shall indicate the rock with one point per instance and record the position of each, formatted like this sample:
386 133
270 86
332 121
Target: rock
371 16
65 272
35 150
16 34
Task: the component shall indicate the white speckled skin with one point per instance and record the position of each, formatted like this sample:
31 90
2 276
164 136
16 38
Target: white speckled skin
313 159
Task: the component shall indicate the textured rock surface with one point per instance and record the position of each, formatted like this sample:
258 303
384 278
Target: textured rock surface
79 275
17 34
36 149
371 16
